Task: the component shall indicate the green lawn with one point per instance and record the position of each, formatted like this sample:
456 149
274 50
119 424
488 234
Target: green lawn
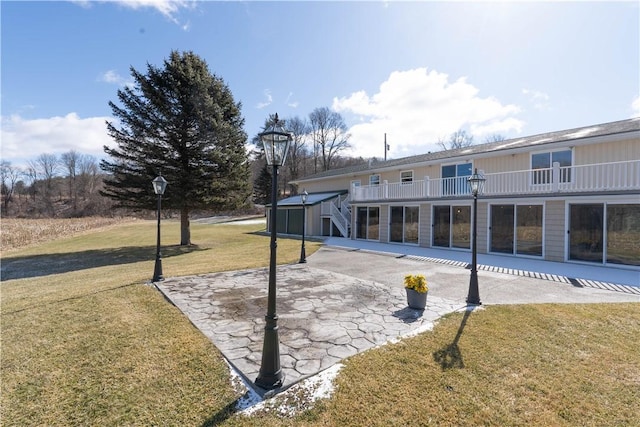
85 342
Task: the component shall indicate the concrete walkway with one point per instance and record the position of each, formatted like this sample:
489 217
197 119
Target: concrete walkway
345 300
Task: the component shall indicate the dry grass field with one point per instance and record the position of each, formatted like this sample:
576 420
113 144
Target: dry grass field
18 233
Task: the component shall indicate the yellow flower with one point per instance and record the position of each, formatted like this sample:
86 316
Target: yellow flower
416 282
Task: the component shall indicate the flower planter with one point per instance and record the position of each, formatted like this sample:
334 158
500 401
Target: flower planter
416 300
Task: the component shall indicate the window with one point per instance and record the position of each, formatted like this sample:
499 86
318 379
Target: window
406 177
374 179
454 179
355 183
542 163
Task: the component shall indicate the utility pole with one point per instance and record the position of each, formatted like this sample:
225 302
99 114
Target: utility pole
386 147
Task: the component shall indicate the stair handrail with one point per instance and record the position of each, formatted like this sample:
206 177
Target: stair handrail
339 220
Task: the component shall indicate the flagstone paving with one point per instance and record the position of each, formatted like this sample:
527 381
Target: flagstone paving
324 316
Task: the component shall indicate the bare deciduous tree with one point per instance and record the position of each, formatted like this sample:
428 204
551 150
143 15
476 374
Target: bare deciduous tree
46 166
88 175
31 173
9 176
496 137
329 134
299 129
458 139
70 161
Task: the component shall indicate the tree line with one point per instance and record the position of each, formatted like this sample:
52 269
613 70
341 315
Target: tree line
49 185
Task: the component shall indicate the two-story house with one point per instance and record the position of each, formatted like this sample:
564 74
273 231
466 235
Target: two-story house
568 196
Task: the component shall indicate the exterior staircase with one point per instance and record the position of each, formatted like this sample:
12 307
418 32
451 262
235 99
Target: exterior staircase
339 211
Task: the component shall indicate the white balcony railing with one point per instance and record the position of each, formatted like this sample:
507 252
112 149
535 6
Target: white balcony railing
617 176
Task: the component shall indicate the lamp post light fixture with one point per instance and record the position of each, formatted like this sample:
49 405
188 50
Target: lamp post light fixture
476 183
303 198
275 141
159 185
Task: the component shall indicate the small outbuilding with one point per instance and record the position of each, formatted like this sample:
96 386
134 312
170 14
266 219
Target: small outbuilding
317 214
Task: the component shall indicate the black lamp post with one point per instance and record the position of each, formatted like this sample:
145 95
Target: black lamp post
303 197
476 182
275 141
159 185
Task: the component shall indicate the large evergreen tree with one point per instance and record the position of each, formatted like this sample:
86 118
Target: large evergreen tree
262 186
182 122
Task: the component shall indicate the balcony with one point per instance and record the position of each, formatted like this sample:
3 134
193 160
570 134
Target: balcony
617 176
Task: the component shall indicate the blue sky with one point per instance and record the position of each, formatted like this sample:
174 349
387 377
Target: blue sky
417 71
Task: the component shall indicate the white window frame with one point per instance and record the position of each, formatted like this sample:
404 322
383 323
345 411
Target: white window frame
407 180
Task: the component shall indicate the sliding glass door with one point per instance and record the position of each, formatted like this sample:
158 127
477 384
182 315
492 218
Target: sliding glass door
395 226
452 226
516 229
502 228
404 224
586 232
599 233
441 225
461 230
623 234
368 223
529 230
411 224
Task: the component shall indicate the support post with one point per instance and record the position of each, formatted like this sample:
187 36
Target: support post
474 295
157 270
271 375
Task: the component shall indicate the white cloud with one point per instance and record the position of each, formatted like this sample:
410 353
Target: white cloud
86 4
417 107
113 77
497 127
539 99
168 8
290 103
26 139
269 100
635 107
